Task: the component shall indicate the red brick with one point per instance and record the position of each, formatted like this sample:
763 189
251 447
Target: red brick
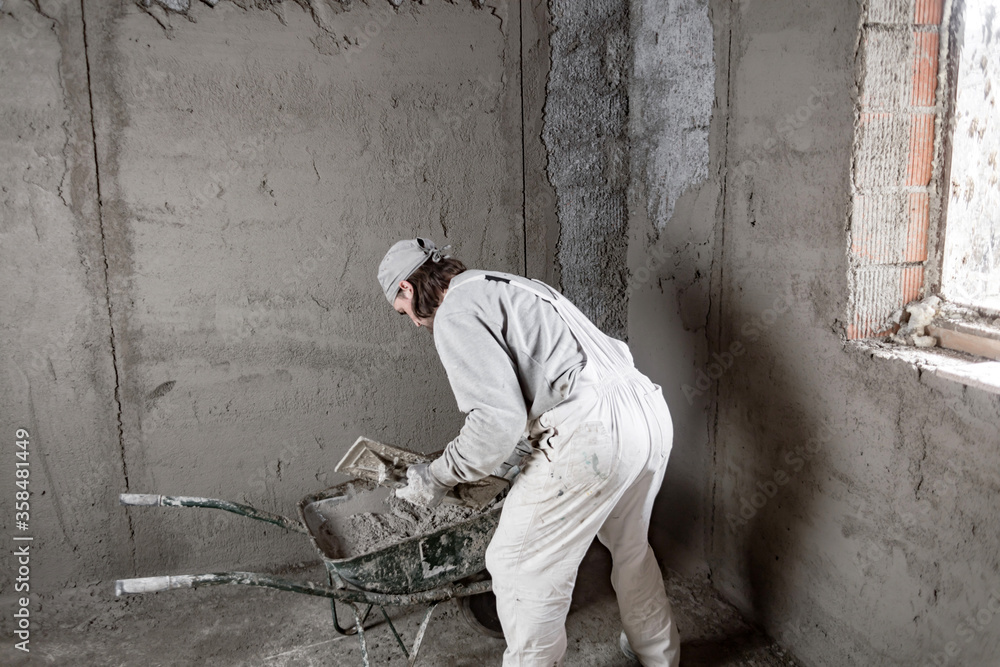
928 12
918 227
921 157
911 283
925 68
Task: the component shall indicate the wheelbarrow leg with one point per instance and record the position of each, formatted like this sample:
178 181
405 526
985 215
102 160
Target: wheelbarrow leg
336 623
420 634
336 582
360 630
395 634
361 634
411 658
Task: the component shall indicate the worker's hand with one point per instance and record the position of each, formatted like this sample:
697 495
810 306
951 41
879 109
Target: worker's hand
421 487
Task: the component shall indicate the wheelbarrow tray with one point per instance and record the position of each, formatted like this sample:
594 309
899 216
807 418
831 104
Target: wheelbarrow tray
451 553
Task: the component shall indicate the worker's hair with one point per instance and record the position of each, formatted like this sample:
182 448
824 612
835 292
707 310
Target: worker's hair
429 283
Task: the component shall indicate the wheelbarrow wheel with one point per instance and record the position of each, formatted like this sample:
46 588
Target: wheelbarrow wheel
480 613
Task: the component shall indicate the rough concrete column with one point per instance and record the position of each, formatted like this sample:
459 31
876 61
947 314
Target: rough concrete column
585 132
630 97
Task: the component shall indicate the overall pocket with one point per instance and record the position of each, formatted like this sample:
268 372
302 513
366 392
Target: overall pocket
588 456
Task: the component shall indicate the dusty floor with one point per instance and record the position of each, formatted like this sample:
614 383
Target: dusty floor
232 625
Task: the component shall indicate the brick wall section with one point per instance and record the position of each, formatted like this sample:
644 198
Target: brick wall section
893 159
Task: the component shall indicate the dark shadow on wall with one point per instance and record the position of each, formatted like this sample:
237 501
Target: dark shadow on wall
770 450
675 527
668 304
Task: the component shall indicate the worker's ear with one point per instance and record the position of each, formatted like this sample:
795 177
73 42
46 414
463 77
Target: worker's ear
406 288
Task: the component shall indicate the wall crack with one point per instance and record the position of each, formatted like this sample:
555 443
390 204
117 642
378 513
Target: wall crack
717 259
115 357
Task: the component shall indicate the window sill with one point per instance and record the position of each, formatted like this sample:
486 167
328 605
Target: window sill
966 369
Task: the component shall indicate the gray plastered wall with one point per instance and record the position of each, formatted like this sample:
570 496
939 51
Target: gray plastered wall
214 327
851 494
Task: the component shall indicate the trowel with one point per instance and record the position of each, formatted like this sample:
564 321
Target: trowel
386 466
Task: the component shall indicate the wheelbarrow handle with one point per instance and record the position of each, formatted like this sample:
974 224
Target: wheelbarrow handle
164 583
149 499
151 584
156 500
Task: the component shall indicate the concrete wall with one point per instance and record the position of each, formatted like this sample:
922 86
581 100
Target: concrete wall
195 310
192 306
854 498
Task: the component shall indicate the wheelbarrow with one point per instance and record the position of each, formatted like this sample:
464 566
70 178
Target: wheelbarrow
427 569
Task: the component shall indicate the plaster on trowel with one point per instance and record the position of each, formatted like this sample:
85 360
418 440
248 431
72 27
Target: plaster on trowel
386 466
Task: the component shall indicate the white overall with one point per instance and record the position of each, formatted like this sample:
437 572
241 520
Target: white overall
596 466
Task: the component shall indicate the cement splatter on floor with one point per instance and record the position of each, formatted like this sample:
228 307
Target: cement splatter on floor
230 625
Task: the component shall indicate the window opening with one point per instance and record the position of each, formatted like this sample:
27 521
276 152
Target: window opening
970 271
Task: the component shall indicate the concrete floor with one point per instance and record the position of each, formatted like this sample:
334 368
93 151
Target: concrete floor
234 625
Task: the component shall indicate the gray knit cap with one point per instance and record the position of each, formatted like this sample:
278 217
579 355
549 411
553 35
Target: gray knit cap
403 259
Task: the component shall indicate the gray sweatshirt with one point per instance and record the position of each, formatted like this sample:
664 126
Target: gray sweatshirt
509 357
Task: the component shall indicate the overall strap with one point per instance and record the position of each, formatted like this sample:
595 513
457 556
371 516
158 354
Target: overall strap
605 355
541 293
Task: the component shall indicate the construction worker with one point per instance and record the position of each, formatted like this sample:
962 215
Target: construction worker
521 358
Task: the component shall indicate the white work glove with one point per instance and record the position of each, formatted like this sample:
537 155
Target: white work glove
522 450
422 488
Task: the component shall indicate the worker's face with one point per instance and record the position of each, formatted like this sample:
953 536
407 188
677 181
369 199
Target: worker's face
404 306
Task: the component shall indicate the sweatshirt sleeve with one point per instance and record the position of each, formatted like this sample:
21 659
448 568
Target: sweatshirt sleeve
482 375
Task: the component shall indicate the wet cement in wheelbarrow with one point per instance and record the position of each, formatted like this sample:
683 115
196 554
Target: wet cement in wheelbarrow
362 519
369 531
